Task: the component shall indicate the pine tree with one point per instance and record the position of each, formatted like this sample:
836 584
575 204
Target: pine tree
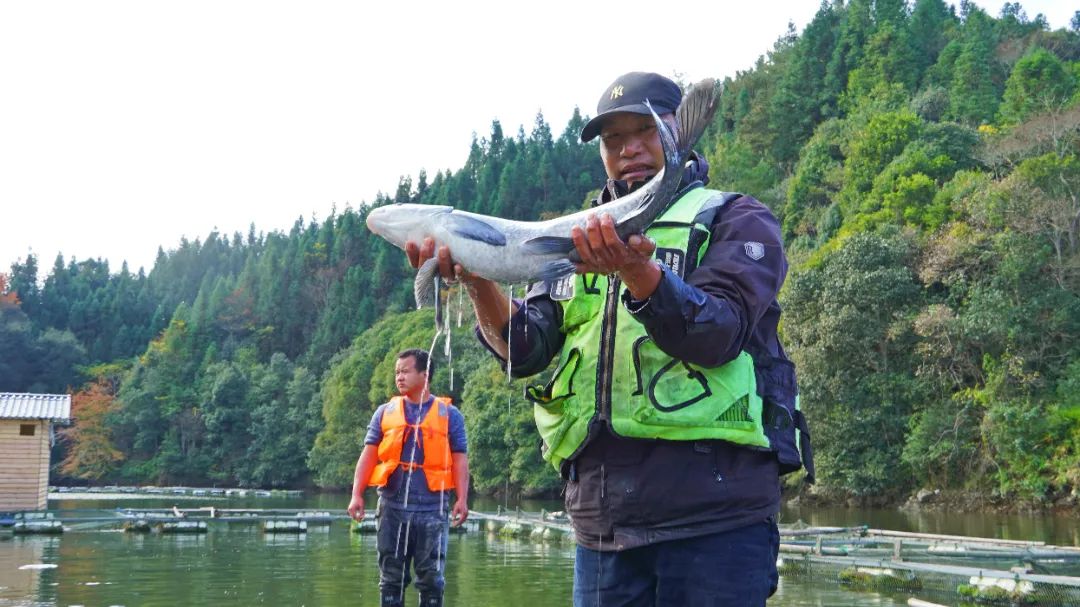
930 19
23 281
973 94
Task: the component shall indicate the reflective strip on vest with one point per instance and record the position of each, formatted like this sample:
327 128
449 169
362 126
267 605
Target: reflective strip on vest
434 441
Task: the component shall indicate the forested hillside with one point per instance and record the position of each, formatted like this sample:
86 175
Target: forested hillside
924 161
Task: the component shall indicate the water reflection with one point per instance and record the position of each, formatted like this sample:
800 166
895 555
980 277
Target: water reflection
240 564
26 562
1050 528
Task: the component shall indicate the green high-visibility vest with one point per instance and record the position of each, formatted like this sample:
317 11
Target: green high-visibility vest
610 371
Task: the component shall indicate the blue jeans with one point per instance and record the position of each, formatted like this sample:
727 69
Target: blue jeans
419 539
734 568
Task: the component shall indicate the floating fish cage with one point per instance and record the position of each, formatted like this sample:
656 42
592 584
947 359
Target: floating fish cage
369 525
285 526
179 490
34 523
39 527
953 569
934 581
543 528
182 527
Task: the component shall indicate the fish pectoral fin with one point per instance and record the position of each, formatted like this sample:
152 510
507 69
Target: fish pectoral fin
548 245
472 228
554 270
424 288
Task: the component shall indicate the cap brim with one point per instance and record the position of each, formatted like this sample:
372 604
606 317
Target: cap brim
592 127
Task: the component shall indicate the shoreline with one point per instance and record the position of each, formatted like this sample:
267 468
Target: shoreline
86 495
937 500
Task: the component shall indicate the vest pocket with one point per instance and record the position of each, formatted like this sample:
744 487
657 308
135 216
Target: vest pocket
585 306
551 419
670 392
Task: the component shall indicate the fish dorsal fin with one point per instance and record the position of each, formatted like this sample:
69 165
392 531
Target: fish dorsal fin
471 228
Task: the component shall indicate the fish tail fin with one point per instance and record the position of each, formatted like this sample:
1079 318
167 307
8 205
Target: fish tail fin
696 113
424 288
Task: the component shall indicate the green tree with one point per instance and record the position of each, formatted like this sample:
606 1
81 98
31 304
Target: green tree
285 415
1039 82
973 93
849 329
351 392
801 100
929 24
871 149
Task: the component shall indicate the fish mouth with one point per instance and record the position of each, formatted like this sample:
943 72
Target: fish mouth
372 225
386 224
638 172
378 220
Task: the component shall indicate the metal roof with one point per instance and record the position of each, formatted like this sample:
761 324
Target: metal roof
55 407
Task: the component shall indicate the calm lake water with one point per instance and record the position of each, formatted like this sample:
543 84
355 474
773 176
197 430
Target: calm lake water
238 564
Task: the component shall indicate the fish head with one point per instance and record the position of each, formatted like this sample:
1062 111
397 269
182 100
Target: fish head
399 223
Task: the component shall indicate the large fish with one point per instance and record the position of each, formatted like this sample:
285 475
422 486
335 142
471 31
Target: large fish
517 252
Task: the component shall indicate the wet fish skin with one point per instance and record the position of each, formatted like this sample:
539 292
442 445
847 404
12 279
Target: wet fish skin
519 252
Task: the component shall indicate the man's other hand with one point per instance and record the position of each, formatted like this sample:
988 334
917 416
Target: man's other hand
356 508
459 513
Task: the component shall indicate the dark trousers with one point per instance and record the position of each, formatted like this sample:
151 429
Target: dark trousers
419 539
731 569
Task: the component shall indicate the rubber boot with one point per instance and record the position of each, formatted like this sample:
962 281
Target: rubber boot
430 600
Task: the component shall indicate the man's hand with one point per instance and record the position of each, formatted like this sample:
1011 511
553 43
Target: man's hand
603 252
459 513
356 508
450 271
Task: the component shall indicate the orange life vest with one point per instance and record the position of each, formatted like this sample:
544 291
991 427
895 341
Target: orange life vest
433 432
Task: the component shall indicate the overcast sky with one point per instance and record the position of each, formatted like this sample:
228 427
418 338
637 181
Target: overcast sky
127 125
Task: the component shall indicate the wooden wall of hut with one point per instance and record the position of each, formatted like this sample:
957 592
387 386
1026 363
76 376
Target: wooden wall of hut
24 468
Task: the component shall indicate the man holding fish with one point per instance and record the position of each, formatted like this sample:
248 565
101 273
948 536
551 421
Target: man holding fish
673 409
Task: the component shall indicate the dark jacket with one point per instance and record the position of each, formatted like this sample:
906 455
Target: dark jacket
623 493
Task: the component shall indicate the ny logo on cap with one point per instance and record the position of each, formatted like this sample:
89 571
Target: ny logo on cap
616 91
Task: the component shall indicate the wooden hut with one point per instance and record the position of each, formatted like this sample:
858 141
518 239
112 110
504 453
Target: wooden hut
26 438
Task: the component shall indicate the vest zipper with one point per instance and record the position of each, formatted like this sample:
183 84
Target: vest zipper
607 345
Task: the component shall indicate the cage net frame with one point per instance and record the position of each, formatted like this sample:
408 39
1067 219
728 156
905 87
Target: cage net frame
952 584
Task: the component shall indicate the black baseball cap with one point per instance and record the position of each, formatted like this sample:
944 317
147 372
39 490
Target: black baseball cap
628 94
